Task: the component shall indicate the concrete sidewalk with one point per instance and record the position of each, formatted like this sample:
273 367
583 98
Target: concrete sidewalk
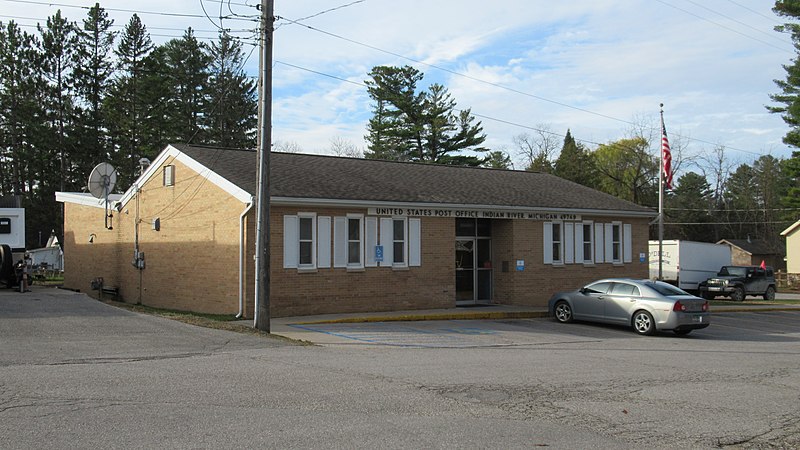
292 327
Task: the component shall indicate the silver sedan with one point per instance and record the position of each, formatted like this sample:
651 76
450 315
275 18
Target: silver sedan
647 306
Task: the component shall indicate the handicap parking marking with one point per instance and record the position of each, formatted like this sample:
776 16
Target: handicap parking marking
402 335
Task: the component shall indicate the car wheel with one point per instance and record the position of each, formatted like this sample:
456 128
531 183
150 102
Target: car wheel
643 323
770 294
737 295
681 332
563 312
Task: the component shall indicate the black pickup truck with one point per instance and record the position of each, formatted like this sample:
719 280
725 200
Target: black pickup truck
737 282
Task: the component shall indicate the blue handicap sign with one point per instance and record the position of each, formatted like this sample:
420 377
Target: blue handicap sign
379 253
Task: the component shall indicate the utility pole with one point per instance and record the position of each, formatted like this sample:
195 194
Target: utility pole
262 316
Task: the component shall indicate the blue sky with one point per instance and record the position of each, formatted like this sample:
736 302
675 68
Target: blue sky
599 68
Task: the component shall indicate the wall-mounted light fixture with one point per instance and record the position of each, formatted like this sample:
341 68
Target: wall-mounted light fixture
91 238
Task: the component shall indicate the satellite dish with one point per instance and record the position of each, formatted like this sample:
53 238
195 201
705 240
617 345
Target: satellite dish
101 182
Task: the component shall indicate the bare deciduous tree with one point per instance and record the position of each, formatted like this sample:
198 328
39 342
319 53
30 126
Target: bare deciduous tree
343 147
538 150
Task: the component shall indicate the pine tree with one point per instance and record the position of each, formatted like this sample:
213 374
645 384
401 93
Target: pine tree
92 79
126 106
230 114
186 66
691 205
419 126
59 46
790 87
575 163
20 124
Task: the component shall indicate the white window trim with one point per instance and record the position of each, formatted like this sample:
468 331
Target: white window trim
619 243
360 218
558 260
314 242
549 257
169 175
588 261
403 264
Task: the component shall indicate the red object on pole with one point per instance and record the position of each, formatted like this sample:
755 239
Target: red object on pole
763 264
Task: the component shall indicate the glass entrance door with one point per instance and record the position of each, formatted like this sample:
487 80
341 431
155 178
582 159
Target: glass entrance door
473 270
465 271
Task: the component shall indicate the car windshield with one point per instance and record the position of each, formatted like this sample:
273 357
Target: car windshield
665 289
732 271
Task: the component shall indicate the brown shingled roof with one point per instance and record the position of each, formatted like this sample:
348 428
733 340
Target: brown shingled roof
328 177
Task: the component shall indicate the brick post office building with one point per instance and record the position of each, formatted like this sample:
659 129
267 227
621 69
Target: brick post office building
347 235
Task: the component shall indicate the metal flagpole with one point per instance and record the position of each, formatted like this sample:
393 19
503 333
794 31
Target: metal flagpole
661 200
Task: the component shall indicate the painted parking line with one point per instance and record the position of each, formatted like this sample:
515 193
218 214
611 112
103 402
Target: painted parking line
404 335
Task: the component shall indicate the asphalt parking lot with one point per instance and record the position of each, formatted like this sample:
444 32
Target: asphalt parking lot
77 373
783 326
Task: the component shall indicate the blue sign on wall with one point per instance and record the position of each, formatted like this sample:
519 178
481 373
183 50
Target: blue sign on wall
379 253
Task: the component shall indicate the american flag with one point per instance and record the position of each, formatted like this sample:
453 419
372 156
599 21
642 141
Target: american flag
666 156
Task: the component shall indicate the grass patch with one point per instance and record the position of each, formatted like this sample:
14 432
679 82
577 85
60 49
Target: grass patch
224 322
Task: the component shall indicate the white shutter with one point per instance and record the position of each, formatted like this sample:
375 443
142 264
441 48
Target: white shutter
579 243
414 242
291 243
569 243
627 242
609 242
387 230
599 243
323 242
548 242
371 236
340 242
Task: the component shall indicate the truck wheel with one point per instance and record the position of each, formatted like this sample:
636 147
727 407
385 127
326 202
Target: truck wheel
737 295
770 294
6 265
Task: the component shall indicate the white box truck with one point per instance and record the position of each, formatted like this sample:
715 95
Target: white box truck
686 263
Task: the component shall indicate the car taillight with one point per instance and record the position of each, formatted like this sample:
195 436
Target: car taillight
679 307
705 306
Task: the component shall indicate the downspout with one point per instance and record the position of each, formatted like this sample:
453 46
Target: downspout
241 257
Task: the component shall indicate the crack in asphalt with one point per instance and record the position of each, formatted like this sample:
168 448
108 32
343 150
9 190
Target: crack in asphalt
125 359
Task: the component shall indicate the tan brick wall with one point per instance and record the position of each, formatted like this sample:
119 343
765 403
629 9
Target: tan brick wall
375 288
191 263
533 286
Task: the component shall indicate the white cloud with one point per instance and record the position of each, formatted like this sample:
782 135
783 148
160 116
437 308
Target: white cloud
579 61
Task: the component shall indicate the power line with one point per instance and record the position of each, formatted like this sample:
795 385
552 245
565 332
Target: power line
770 35
331 9
500 86
723 26
774 19
40 20
134 11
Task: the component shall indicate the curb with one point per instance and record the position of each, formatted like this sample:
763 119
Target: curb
440 316
746 309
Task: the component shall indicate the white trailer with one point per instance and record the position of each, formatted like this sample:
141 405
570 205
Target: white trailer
687 263
12 242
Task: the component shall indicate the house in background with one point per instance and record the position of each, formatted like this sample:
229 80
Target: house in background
347 235
751 252
792 248
49 257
